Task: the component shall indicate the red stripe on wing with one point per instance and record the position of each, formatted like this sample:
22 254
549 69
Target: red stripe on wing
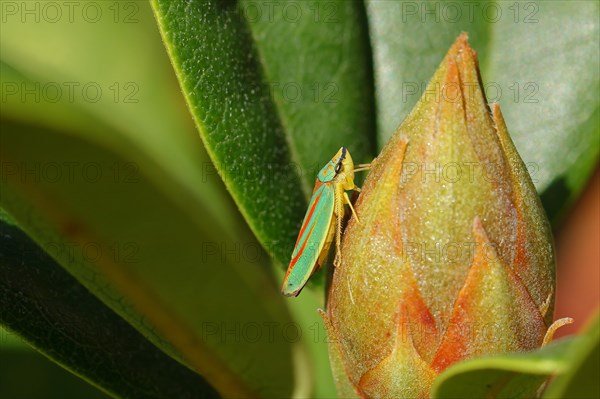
307 219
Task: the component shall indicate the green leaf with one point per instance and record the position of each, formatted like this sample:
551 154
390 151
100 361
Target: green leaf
518 375
5 217
123 196
108 95
19 367
539 60
173 274
581 380
271 116
59 317
310 324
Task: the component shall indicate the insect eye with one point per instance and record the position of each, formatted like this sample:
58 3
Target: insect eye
338 167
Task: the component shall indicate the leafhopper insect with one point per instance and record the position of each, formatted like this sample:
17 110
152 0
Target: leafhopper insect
322 221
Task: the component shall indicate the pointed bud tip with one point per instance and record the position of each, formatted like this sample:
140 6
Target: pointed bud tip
461 47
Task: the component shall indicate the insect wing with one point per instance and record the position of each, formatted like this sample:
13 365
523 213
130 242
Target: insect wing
311 239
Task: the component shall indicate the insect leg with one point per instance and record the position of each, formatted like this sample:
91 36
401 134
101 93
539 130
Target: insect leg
351 207
362 166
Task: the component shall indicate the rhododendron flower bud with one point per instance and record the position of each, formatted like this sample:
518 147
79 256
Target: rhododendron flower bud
453 255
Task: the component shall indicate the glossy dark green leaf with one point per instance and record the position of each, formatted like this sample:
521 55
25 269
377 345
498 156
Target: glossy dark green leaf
518 375
581 379
275 89
62 319
539 60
